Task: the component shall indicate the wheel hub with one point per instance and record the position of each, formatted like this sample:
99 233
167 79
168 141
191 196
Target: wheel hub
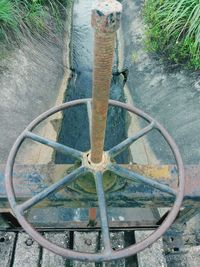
94 167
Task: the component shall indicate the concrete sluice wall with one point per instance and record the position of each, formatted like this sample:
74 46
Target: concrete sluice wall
169 93
29 83
33 79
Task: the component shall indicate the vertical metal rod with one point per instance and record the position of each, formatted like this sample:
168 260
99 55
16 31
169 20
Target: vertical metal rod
105 21
92 217
103 211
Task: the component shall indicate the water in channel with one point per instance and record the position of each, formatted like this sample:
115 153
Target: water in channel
75 126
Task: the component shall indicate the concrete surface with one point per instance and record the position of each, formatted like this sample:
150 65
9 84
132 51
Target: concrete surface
27 252
28 87
154 255
169 94
140 151
32 79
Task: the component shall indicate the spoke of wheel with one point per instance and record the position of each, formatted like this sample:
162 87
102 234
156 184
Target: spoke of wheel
113 152
58 147
54 187
89 112
103 211
137 177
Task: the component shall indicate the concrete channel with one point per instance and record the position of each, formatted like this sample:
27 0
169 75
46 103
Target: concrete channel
75 128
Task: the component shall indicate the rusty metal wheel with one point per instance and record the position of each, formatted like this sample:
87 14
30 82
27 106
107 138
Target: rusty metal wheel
97 170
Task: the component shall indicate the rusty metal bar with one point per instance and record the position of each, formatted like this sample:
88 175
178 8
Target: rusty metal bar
30 180
89 112
105 20
92 214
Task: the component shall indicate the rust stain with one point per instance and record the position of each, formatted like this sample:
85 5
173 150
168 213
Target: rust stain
154 171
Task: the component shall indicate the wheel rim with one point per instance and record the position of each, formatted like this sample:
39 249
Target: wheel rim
107 254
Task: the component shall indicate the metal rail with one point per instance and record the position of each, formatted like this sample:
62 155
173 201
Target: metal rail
30 180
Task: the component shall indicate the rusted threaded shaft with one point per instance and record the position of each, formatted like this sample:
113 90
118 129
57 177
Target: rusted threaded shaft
105 20
104 51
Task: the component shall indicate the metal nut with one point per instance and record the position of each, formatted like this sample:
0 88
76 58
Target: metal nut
88 242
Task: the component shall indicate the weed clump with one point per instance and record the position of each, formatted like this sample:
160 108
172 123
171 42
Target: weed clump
174 30
19 18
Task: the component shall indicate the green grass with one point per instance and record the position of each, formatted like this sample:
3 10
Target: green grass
8 19
19 18
174 30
